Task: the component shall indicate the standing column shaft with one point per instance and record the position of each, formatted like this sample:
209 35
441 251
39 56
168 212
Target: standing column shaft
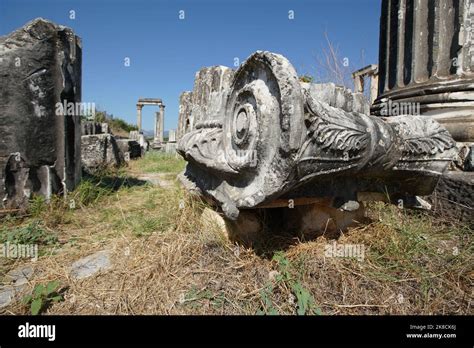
425 61
158 129
139 118
162 122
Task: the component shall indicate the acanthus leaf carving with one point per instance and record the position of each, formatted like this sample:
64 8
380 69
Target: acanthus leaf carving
422 137
334 131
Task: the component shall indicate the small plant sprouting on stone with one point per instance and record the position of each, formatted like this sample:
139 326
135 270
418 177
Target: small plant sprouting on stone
307 78
42 297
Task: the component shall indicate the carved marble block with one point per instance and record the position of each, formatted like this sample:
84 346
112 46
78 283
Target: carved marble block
40 126
277 139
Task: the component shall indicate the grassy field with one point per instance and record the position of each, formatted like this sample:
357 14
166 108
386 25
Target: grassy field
167 261
158 162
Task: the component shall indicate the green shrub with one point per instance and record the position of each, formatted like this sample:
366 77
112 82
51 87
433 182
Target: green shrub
33 233
42 297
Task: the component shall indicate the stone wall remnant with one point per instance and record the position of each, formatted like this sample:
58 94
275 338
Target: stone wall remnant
92 128
100 151
140 139
131 149
40 152
274 140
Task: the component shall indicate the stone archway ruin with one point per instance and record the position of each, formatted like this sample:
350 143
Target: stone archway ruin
159 119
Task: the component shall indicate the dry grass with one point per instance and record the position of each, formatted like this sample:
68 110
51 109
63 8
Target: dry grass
166 262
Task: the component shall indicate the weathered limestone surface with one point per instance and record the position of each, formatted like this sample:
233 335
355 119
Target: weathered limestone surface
14 283
100 151
40 67
184 117
337 96
132 147
271 138
172 136
140 139
92 264
92 128
206 101
427 57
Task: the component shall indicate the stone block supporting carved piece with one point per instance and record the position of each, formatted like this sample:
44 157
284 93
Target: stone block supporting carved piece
453 197
274 139
40 71
427 59
100 151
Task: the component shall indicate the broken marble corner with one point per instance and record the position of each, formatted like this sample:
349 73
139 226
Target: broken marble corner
40 66
258 135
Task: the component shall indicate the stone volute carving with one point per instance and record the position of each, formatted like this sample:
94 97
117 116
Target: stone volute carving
278 138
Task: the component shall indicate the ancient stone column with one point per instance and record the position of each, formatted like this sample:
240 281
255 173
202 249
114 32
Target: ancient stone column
427 61
139 117
162 123
158 139
40 128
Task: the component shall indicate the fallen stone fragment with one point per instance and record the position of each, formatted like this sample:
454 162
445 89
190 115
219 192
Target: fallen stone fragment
91 265
264 137
100 151
7 294
16 281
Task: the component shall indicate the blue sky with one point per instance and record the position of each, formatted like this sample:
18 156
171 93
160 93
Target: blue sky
165 51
